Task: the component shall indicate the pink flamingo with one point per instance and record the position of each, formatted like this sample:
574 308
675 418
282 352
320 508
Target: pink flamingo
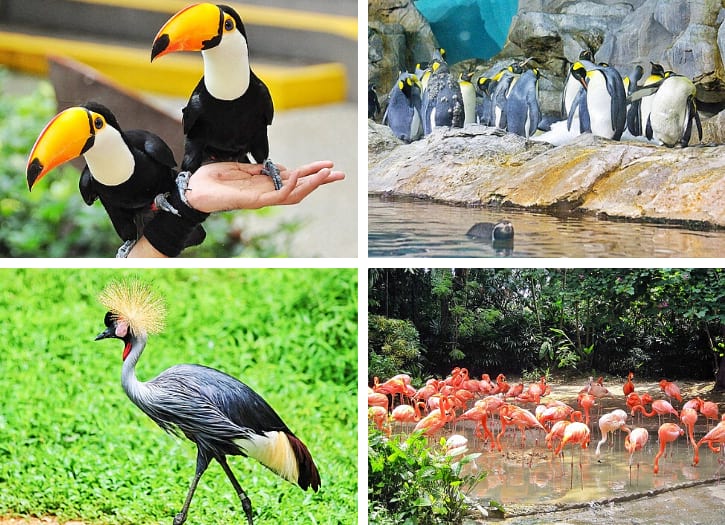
628 387
667 433
635 441
670 389
501 385
611 422
586 401
659 407
709 410
376 399
437 419
519 417
688 416
379 416
716 435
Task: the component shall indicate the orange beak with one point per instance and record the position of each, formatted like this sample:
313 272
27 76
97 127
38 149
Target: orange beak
64 138
194 28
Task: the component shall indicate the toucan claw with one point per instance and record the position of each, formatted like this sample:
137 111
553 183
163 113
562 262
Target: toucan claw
269 169
125 249
161 203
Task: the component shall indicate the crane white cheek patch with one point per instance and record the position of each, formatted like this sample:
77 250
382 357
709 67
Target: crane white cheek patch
273 450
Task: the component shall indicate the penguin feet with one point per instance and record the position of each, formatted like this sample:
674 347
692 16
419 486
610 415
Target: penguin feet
269 169
125 249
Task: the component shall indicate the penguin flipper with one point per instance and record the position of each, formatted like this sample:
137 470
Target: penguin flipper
696 116
85 185
585 123
633 118
648 129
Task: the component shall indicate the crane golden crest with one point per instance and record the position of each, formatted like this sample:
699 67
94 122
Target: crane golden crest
135 303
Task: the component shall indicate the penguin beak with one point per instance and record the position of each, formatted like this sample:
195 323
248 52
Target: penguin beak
108 332
194 28
64 138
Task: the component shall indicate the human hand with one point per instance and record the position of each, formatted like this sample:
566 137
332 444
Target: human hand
223 186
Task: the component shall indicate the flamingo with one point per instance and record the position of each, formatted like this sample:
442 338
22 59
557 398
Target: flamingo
586 401
716 435
611 422
376 399
515 391
436 420
709 410
392 386
431 388
501 385
456 445
667 433
557 429
670 389
628 387
406 413
688 416
379 416
521 418
555 412
635 440
659 407
485 385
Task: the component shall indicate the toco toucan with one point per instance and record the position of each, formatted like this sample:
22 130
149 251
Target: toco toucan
126 170
228 112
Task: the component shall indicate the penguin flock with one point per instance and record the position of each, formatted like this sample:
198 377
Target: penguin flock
130 172
597 99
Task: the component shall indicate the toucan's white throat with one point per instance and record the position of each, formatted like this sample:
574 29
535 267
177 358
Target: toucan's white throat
109 159
226 67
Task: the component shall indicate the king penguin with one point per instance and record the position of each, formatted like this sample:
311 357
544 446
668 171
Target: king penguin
505 81
602 103
442 103
572 85
641 100
468 93
522 105
403 111
673 110
484 104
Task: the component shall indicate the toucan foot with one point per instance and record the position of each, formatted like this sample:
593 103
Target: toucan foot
182 183
125 249
269 169
161 203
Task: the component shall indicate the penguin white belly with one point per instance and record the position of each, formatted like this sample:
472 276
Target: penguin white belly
670 112
469 103
599 104
416 126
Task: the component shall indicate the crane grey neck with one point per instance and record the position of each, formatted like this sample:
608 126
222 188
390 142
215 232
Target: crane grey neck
132 386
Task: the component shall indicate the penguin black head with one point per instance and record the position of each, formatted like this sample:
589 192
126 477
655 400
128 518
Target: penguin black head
657 70
197 28
579 72
586 54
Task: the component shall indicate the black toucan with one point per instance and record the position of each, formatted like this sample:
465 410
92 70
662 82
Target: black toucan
227 115
126 170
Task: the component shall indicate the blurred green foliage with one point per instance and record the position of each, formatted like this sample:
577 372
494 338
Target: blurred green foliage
53 220
74 446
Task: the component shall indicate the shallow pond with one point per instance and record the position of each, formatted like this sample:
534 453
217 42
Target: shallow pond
414 228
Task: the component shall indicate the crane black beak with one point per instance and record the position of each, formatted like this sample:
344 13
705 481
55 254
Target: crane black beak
108 332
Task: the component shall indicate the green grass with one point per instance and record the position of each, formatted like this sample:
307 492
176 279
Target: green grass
74 446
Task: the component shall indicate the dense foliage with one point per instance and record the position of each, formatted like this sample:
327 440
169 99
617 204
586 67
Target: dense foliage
53 220
410 482
73 445
657 322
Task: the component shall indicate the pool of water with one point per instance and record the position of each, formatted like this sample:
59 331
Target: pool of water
533 476
414 228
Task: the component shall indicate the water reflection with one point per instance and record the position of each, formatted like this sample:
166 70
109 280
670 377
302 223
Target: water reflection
533 476
404 228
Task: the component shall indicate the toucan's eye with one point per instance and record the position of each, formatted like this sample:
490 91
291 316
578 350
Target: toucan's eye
228 24
98 122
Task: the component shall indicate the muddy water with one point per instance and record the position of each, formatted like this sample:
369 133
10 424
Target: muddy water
532 476
404 228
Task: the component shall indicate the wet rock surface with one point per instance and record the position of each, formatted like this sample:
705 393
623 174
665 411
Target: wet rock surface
478 165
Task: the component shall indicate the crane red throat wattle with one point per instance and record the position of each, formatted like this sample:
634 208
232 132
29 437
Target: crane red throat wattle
126 350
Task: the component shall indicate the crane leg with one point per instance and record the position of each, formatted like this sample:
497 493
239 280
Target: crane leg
246 502
202 462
